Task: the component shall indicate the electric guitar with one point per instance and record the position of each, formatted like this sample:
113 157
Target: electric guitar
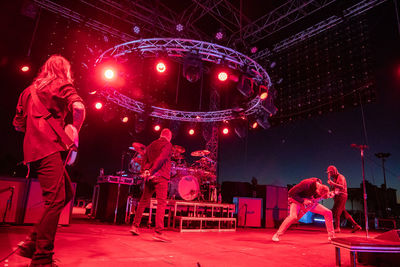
72 133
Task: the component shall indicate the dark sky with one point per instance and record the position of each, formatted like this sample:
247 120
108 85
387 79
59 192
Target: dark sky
281 155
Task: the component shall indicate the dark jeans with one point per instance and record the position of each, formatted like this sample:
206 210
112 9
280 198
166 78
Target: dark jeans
57 192
339 208
160 186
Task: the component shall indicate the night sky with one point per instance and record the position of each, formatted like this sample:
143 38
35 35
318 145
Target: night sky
281 155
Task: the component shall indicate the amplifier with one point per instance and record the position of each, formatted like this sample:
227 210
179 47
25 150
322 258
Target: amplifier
116 179
106 199
35 205
12 199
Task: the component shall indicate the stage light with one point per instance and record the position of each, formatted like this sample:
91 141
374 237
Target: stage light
161 67
25 68
179 27
263 92
98 105
192 67
125 119
254 125
157 128
92 92
191 131
109 74
254 50
245 85
222 76
262 120
225 130
136 29
219 35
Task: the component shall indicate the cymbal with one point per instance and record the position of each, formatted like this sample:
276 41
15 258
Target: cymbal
200 153
178 149
138 147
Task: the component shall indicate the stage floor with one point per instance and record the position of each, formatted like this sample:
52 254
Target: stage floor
89 243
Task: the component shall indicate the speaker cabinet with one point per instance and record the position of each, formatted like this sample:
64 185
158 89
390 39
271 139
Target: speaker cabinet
106 195
276 205
249 211
35 205
382 259
12 199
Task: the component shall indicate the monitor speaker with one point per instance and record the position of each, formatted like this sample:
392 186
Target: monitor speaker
35 205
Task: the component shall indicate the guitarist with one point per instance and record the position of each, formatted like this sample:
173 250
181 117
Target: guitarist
157 162
304 197
41 110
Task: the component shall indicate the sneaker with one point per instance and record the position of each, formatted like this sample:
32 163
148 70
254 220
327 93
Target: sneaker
275 238
160 237
26 249
134 230
356 228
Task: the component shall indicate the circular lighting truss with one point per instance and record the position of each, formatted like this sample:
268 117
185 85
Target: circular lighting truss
209 52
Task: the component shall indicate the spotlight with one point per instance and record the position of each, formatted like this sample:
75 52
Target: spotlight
125 119
263 92
254 125
157 128
254 50
136 29
222 76
191 131
192 67
179 27
219 35
161 67
98 105
245 85
25 68
109 74
272 65
225 130
92 92
262 120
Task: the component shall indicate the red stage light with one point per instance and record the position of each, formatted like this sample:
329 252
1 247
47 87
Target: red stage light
157 128
264 95
98 105
161 67
125 119
25 68
254 125
191 132
225 130
92 92
222 76
109 74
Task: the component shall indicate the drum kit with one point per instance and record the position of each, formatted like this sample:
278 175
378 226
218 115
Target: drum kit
188 182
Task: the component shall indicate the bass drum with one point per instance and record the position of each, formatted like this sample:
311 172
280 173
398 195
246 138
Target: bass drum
186 188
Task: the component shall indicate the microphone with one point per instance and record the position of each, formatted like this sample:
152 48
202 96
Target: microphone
359 146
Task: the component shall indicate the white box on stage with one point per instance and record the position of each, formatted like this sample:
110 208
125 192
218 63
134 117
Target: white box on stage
249 211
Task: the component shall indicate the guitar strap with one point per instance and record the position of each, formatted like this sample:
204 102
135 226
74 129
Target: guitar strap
54 124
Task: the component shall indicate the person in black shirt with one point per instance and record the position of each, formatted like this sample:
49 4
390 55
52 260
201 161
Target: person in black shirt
304 197
157 169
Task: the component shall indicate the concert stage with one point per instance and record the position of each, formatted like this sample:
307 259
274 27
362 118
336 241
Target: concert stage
86 242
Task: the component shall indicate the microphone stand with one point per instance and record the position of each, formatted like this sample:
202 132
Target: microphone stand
119 187
362 148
